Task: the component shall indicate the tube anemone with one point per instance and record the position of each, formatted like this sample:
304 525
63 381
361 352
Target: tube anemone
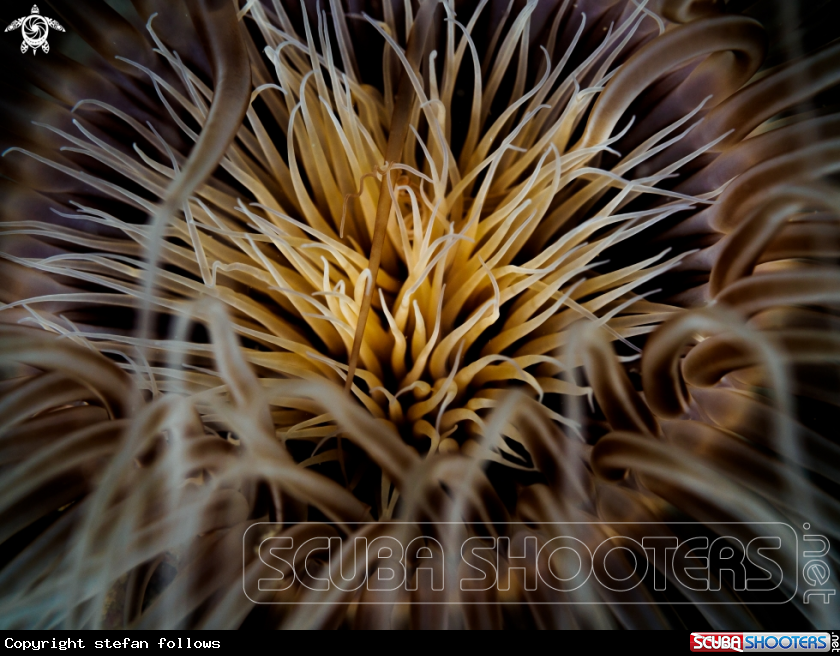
342 270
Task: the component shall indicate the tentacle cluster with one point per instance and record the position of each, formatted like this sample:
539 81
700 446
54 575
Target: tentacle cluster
512 202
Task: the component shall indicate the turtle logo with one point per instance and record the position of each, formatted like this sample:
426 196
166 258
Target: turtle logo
34 29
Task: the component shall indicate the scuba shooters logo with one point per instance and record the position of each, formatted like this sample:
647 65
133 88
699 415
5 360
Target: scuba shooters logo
567 563
796 642
34 29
